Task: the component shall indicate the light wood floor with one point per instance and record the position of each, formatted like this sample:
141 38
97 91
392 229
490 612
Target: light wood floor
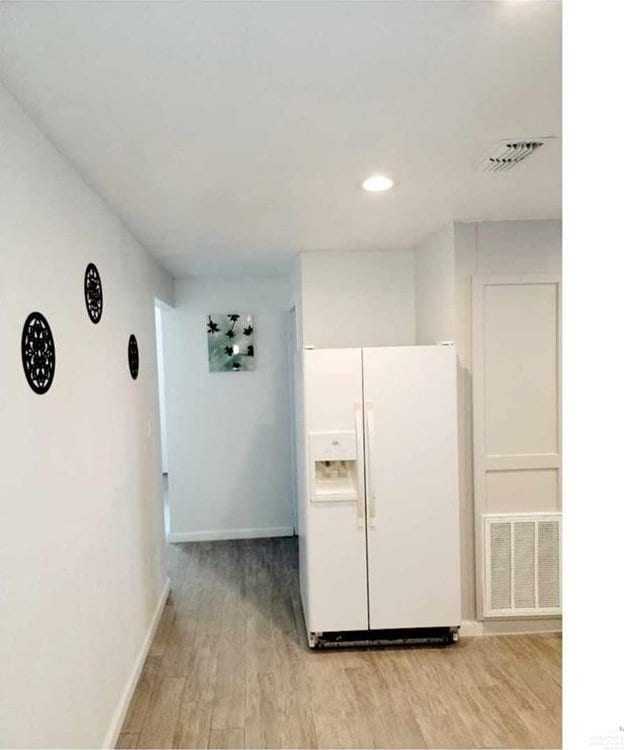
229 668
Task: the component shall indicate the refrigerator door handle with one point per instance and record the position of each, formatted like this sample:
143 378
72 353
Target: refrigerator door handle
359 441
370 473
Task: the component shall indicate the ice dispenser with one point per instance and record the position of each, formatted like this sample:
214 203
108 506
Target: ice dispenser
334 461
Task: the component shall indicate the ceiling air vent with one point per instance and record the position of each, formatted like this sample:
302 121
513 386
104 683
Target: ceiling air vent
509 153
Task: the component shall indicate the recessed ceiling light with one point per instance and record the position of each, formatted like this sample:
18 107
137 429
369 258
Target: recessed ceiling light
378 183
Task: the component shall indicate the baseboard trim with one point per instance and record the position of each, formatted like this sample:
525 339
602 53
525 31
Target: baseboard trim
510 627
215 535
120 714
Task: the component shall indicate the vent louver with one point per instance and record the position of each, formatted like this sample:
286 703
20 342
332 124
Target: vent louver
509 154
522 564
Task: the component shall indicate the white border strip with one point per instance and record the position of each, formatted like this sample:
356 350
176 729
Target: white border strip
471 628
214 535
122 708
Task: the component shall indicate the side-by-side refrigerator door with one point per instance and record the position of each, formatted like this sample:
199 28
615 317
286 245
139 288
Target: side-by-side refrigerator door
410 418
335 513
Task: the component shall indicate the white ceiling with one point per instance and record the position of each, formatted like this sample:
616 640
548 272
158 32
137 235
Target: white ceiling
230 136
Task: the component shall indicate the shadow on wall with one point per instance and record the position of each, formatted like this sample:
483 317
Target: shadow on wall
466 495
245 481
260 464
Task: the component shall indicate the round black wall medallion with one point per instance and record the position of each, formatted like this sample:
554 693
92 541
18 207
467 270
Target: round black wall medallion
133 356
38 354
93 293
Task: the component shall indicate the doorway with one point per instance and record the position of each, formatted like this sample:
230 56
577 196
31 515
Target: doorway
160 312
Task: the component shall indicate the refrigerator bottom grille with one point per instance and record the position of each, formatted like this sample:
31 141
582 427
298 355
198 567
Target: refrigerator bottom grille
393 637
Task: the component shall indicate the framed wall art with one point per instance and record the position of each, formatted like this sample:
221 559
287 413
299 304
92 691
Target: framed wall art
231 342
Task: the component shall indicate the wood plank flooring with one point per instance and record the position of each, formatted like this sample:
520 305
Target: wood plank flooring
230 668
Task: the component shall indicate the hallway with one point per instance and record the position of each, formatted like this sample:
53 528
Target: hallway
229 667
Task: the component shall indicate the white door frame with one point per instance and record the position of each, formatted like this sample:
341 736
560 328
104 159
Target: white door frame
292 346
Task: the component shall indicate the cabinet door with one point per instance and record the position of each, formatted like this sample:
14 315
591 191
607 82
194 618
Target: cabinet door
410 412
516 372
334 533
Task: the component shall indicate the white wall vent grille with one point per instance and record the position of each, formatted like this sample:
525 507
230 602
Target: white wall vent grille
522 564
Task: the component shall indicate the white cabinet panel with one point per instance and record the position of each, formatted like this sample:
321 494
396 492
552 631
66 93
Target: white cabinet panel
520 348
411 458
533 490
516 401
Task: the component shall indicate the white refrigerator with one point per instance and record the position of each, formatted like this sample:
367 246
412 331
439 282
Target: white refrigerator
378 494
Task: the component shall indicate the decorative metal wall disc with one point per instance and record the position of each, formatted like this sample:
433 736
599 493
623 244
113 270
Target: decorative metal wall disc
93 293
133 356
38 353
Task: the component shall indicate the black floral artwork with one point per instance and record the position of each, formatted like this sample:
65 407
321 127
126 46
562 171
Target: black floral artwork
230 342
93 295
38 353
133 357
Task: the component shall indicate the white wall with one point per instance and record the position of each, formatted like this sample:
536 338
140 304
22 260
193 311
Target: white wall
357 299
497 247
434 288
513 246
230 464
81 529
